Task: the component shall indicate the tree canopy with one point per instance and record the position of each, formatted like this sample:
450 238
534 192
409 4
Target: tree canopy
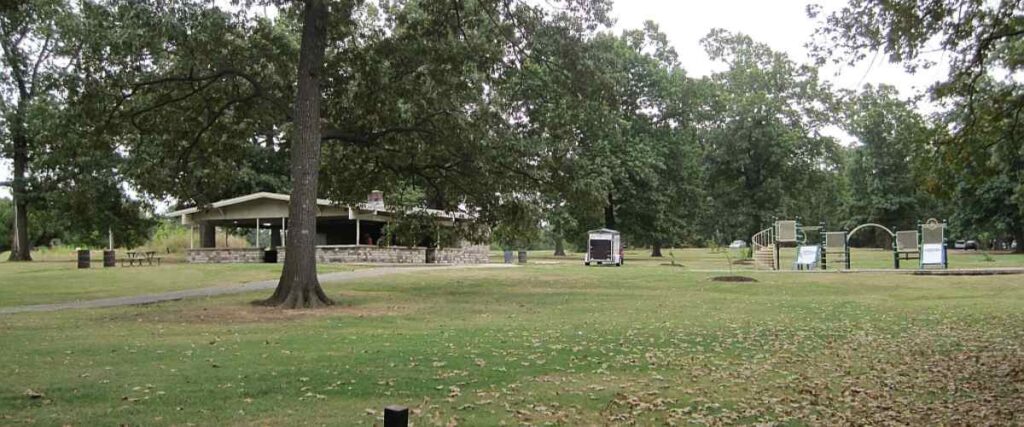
981 98
531 116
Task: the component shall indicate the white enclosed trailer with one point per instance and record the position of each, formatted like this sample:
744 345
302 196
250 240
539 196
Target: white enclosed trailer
604 246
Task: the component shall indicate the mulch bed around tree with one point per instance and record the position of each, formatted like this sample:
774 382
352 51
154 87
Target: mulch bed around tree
733 279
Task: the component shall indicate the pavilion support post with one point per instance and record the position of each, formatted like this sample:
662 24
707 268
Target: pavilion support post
192 236
358 233
207 235
110 239
284 228
257 232
275 237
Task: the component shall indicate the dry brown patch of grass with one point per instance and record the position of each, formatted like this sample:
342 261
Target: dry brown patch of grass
252 313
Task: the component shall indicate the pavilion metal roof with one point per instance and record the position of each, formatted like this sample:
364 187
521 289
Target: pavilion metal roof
263 195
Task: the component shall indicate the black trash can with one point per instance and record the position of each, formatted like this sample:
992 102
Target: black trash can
522 257
109 259
508 257
270 257
83 258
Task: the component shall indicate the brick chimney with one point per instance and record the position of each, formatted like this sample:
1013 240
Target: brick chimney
375 199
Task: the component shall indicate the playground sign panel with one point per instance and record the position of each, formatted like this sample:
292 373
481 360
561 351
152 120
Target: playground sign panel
931 254
807 256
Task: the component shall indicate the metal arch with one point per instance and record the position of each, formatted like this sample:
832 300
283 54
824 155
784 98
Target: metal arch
870 224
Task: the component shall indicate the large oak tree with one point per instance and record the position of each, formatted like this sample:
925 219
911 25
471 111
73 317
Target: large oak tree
391 96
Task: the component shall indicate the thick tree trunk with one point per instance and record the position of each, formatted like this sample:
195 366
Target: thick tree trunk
609 213
656 250
559 246
299 286
1018 237
20 246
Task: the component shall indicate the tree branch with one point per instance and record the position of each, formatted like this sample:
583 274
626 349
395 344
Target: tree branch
422 126
207 81
183 160
44 52
361 138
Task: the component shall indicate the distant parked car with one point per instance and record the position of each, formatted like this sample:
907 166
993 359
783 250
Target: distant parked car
971 244
959 244
736 244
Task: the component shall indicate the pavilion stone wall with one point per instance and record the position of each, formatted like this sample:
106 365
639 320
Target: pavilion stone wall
225 255
468 254
476 254
365 254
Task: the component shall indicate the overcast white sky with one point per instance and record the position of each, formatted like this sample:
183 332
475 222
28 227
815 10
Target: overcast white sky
782 24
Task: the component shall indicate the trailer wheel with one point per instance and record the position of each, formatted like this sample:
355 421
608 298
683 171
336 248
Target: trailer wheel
587 263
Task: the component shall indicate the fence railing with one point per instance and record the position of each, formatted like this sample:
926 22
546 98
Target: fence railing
764 239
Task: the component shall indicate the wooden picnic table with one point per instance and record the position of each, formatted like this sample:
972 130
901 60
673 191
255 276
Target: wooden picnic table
140 257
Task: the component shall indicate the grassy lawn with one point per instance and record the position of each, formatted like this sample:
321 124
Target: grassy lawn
556 343
43 282
704 259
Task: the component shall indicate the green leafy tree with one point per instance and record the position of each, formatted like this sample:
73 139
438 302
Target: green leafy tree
887 169
519 226
982 42
985 174
67 174
761 136
612 115
383 96
31 45
559 224
196 96
6 224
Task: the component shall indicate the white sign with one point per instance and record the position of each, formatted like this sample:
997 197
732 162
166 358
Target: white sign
931 253
808 255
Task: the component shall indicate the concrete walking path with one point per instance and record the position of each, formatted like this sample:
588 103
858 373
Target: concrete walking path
342 276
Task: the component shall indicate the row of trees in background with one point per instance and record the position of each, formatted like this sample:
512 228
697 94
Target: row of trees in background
533 116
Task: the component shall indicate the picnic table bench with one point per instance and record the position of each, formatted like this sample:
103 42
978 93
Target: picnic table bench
140 257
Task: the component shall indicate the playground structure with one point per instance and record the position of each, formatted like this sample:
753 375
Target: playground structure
926 244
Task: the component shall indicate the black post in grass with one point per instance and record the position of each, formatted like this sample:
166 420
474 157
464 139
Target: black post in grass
83 258
846 247
396 416
109 258
821 245
895 251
